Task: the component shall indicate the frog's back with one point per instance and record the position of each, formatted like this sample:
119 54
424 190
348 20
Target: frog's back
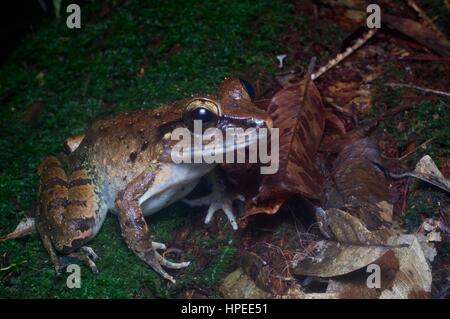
116 150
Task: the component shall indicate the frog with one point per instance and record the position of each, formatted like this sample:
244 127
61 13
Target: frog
122 165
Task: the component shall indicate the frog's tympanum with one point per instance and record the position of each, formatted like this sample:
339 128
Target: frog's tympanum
122 165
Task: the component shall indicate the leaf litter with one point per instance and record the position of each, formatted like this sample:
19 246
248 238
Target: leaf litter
313 230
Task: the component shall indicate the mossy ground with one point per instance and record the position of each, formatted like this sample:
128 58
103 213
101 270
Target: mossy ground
82 74
425 122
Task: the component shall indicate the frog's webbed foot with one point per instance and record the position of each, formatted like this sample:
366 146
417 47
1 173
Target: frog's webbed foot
157 261
85 254
217 201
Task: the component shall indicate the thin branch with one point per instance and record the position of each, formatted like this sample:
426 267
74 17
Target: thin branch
420 88
14 265
404 157
424 17
342 56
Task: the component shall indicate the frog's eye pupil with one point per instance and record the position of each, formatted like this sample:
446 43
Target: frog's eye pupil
202 114
205 115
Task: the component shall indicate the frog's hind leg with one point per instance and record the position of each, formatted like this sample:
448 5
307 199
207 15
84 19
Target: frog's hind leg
70 212
51 251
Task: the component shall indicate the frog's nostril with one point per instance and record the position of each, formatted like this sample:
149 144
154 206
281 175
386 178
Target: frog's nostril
257 123
263 123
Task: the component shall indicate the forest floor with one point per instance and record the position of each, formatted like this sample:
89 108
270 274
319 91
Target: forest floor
130 55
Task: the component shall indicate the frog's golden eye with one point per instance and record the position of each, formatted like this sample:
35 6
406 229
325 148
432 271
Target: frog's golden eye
202 110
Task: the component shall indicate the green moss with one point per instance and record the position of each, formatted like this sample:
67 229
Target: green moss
81 75
425 120
416 211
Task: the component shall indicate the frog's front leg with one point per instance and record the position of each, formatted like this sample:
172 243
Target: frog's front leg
221 198
135 230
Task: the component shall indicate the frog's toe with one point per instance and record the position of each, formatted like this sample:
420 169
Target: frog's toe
89 252
170 264
165 262
226 205
218 201
157 245
228 210
86 255
156 261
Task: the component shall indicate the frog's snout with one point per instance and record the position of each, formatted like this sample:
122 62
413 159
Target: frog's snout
268 123
263 123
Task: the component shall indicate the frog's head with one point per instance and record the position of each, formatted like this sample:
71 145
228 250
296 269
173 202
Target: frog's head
232 107
230 110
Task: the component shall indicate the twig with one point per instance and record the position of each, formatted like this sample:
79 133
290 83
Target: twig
404 157
338 108
14 265
342 56
424 17
405 197
415 150
420 88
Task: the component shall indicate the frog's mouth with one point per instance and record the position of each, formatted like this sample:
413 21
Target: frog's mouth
214 146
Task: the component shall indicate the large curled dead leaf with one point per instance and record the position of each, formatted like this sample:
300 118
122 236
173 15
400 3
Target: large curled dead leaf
343 227
359 185
301 123
404 273
351 247
404 269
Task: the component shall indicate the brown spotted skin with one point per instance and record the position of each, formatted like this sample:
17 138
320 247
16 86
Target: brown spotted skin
70 210
113 164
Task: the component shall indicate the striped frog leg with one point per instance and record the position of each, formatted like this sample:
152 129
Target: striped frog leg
134 227
69 213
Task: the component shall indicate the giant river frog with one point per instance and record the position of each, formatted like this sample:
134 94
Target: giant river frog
122 165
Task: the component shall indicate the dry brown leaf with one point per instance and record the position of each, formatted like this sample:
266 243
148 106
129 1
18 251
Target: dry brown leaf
359 186
342 227
301 125
445 166
334 122
418 32
352 95
404 270
238 285
332 259
413 280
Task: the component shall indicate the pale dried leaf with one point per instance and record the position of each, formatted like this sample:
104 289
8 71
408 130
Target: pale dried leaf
238 285
332 259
